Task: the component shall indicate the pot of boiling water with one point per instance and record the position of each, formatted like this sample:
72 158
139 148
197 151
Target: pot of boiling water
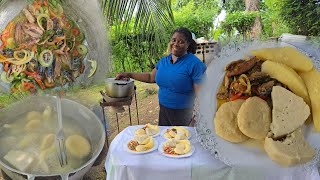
24 130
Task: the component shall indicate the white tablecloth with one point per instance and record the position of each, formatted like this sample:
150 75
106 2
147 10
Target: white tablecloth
121 165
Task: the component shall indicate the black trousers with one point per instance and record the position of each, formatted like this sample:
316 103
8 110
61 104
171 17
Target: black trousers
175 117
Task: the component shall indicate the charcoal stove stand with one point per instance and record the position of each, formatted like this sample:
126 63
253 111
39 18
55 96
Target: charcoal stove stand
121 102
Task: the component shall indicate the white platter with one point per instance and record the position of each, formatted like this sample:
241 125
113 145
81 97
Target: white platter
160 149
165 130
234 154
125 147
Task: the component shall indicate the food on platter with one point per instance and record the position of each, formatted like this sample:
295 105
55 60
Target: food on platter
276 98
291 150
312 81
78 146
289 111
141 143
254 118
176 147
148 129
42 48
226 122
177 133
285 55
287 76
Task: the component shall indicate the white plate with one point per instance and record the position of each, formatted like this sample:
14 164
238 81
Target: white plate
230 153
160 149
141 126
125 146
165 130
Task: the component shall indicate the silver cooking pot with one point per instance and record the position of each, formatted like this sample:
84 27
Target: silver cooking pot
119 88
85 117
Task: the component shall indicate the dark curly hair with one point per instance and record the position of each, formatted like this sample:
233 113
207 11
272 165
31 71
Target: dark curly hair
188 35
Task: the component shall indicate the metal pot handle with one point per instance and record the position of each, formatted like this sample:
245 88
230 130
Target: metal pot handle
64 176
121 83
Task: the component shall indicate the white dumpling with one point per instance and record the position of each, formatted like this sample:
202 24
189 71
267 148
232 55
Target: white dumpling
30 138
140 148
47 113
33 125
170 143
181 145
34 115
172 133
140 132
78 146
151 132
180 131
141 139
47 141
178 150
180 137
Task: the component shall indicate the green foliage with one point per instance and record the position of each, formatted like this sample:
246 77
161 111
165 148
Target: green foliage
234 5
273 24
139 32
132 53
241 21
294 16
197 16
301 16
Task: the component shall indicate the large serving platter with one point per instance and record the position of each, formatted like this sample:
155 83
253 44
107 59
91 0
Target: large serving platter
237 155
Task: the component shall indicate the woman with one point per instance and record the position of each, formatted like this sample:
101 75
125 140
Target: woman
178 76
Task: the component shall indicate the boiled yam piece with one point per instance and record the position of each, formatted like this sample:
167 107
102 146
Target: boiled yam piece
21 160
226 123
293 150
289 111
254 118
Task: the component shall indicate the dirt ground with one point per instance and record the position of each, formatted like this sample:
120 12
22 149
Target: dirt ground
148 107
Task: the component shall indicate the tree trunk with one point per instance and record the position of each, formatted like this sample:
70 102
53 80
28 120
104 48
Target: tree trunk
254 5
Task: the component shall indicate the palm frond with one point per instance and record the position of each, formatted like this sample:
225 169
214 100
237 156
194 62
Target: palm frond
149 21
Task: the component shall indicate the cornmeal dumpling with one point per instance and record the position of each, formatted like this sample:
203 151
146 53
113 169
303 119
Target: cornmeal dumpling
141 143
78 146
148 129
177 147
177 133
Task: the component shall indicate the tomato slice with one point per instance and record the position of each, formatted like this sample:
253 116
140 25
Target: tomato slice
238 96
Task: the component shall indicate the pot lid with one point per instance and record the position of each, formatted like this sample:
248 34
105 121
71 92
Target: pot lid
113 80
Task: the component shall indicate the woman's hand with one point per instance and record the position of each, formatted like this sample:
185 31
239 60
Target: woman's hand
123 76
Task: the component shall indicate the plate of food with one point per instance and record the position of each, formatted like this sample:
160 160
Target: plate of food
176 148
176 132
148 129
260 107
141 144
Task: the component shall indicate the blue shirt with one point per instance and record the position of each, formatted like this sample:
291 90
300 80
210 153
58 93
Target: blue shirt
176 80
